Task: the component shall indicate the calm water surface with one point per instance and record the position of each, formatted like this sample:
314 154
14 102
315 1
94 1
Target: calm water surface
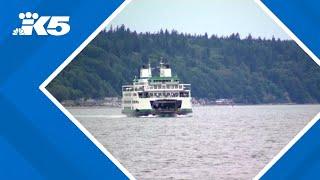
217 142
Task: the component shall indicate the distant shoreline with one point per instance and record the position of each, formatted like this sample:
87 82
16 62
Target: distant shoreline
116 102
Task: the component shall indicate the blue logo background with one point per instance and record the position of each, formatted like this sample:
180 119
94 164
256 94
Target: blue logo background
302 161
36 139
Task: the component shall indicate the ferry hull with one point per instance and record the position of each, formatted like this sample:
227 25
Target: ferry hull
147 112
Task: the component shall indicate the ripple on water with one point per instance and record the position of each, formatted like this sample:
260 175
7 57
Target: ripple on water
217 142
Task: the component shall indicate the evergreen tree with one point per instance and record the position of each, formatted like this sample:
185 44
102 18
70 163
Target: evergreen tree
248 70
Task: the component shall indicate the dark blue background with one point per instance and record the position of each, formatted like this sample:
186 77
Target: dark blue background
36 139
302 161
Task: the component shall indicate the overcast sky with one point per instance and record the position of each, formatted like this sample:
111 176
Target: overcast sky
220 17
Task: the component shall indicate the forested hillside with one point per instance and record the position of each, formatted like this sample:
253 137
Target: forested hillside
247 70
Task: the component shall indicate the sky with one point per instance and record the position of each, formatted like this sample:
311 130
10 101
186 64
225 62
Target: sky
219 17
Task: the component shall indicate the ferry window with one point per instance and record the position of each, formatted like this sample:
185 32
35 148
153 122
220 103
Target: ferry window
184 94
127 102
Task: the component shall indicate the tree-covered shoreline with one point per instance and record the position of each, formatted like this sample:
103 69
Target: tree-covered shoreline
249 70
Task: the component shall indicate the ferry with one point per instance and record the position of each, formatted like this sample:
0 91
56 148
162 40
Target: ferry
161 95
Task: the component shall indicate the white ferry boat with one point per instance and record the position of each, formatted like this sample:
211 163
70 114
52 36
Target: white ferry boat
160 95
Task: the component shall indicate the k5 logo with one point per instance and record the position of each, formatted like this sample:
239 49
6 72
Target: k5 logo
57 25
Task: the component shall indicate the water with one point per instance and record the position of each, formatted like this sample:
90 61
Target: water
218 142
